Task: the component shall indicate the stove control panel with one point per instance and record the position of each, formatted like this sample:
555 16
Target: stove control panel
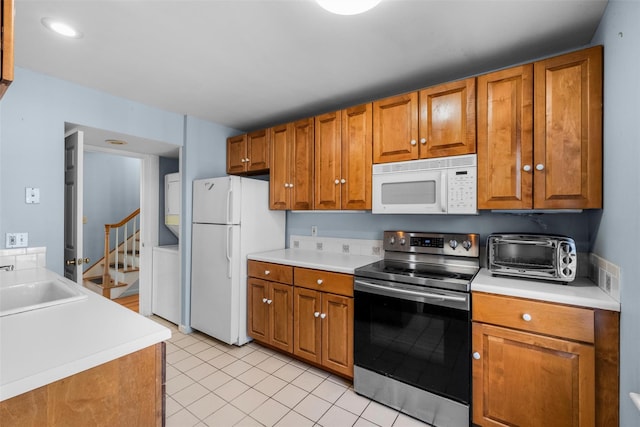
466 245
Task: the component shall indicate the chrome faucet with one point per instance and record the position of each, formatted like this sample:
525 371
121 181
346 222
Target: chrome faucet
8 267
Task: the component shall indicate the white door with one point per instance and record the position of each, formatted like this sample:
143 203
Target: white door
73 155
217 200
214 280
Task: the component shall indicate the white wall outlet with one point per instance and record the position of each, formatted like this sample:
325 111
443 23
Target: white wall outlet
17 240
314 230
607 282
32 195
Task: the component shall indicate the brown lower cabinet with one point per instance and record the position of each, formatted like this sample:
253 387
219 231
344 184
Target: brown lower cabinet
541 364
128 391
304 312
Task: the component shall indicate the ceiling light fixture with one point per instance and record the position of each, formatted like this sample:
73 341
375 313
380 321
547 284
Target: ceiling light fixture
61 28
348 7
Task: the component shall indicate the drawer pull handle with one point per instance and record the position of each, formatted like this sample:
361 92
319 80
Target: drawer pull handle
526 317
319 281
323 315
316 314
269 301
267 272
476 355
264 300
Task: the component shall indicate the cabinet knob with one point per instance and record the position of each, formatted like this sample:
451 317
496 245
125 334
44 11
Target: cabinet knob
323 315
247 160
476 355
319 281
316 314
539 167
423 141
286 185
267 272
337 181
343 181
526 168
291 185
264 300
269 301
526 317
242 160
413 142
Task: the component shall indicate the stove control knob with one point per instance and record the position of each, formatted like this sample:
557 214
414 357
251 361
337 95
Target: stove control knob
453 243
466 244
392 240
403 241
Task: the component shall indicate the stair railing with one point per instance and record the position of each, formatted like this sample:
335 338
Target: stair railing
131 219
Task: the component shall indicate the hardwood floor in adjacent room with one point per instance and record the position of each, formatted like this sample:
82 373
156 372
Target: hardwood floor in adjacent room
132 302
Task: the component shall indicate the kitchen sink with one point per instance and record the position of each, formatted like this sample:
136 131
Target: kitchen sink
36 295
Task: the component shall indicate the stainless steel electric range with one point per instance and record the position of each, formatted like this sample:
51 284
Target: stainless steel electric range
412 328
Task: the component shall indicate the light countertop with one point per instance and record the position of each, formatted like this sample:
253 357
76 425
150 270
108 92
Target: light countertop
41 346
319 260
581 292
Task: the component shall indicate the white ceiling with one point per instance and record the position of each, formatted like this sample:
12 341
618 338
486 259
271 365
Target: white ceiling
251 64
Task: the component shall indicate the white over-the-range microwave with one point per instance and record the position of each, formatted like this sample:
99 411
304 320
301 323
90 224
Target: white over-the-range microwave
444 185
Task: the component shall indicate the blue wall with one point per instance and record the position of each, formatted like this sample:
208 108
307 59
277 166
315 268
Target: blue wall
111 192
618 229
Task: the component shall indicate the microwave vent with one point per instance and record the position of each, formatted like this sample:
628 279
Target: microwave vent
427 164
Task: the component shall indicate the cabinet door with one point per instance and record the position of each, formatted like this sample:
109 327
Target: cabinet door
6 42
258 309
395 128
505 143
280 160
530 380
307 338
281 317
258 151
568 131
327 161
357 126
237 154
337 333
448 119
302 165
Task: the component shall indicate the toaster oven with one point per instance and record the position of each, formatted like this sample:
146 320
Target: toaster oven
536 256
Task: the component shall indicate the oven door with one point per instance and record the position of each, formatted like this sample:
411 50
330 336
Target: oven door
421 338
419 192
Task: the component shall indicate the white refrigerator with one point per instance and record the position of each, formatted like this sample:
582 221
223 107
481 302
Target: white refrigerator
231 219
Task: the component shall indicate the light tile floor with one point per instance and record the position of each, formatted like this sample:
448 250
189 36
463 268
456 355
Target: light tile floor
210 383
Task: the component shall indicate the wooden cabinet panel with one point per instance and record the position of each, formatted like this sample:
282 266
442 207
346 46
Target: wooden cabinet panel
505 139
126 391
236 154
6 41
281 317
530 380
337 333
395 128
268 271
258 151
328 166
568 131
302 165
307 338
257 309
281 152
547 318
448 119
325 281
357 127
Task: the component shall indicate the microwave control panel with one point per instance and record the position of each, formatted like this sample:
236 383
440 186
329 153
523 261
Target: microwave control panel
462 194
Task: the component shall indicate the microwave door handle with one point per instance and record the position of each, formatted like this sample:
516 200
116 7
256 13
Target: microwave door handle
443 192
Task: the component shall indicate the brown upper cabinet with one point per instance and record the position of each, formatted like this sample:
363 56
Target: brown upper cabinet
343 159
434 122
291 159
540 134
248 153
6 45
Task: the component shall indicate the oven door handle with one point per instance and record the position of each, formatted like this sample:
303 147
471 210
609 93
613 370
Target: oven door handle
429 295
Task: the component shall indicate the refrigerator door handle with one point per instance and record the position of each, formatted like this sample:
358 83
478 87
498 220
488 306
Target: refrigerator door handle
228 250
229 207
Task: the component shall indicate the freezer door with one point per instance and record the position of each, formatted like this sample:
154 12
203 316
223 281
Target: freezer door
215 271
217 200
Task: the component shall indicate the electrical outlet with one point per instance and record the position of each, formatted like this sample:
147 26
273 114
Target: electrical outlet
314 230
17 240
607 282
345 249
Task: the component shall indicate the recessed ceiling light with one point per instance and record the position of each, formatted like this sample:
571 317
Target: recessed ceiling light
115 142
61 28
348 7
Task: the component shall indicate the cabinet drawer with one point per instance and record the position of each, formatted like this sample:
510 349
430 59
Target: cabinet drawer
325 281
271 272
546 318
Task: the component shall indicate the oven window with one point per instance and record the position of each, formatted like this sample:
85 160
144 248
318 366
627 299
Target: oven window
524 256
409 193
420 344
